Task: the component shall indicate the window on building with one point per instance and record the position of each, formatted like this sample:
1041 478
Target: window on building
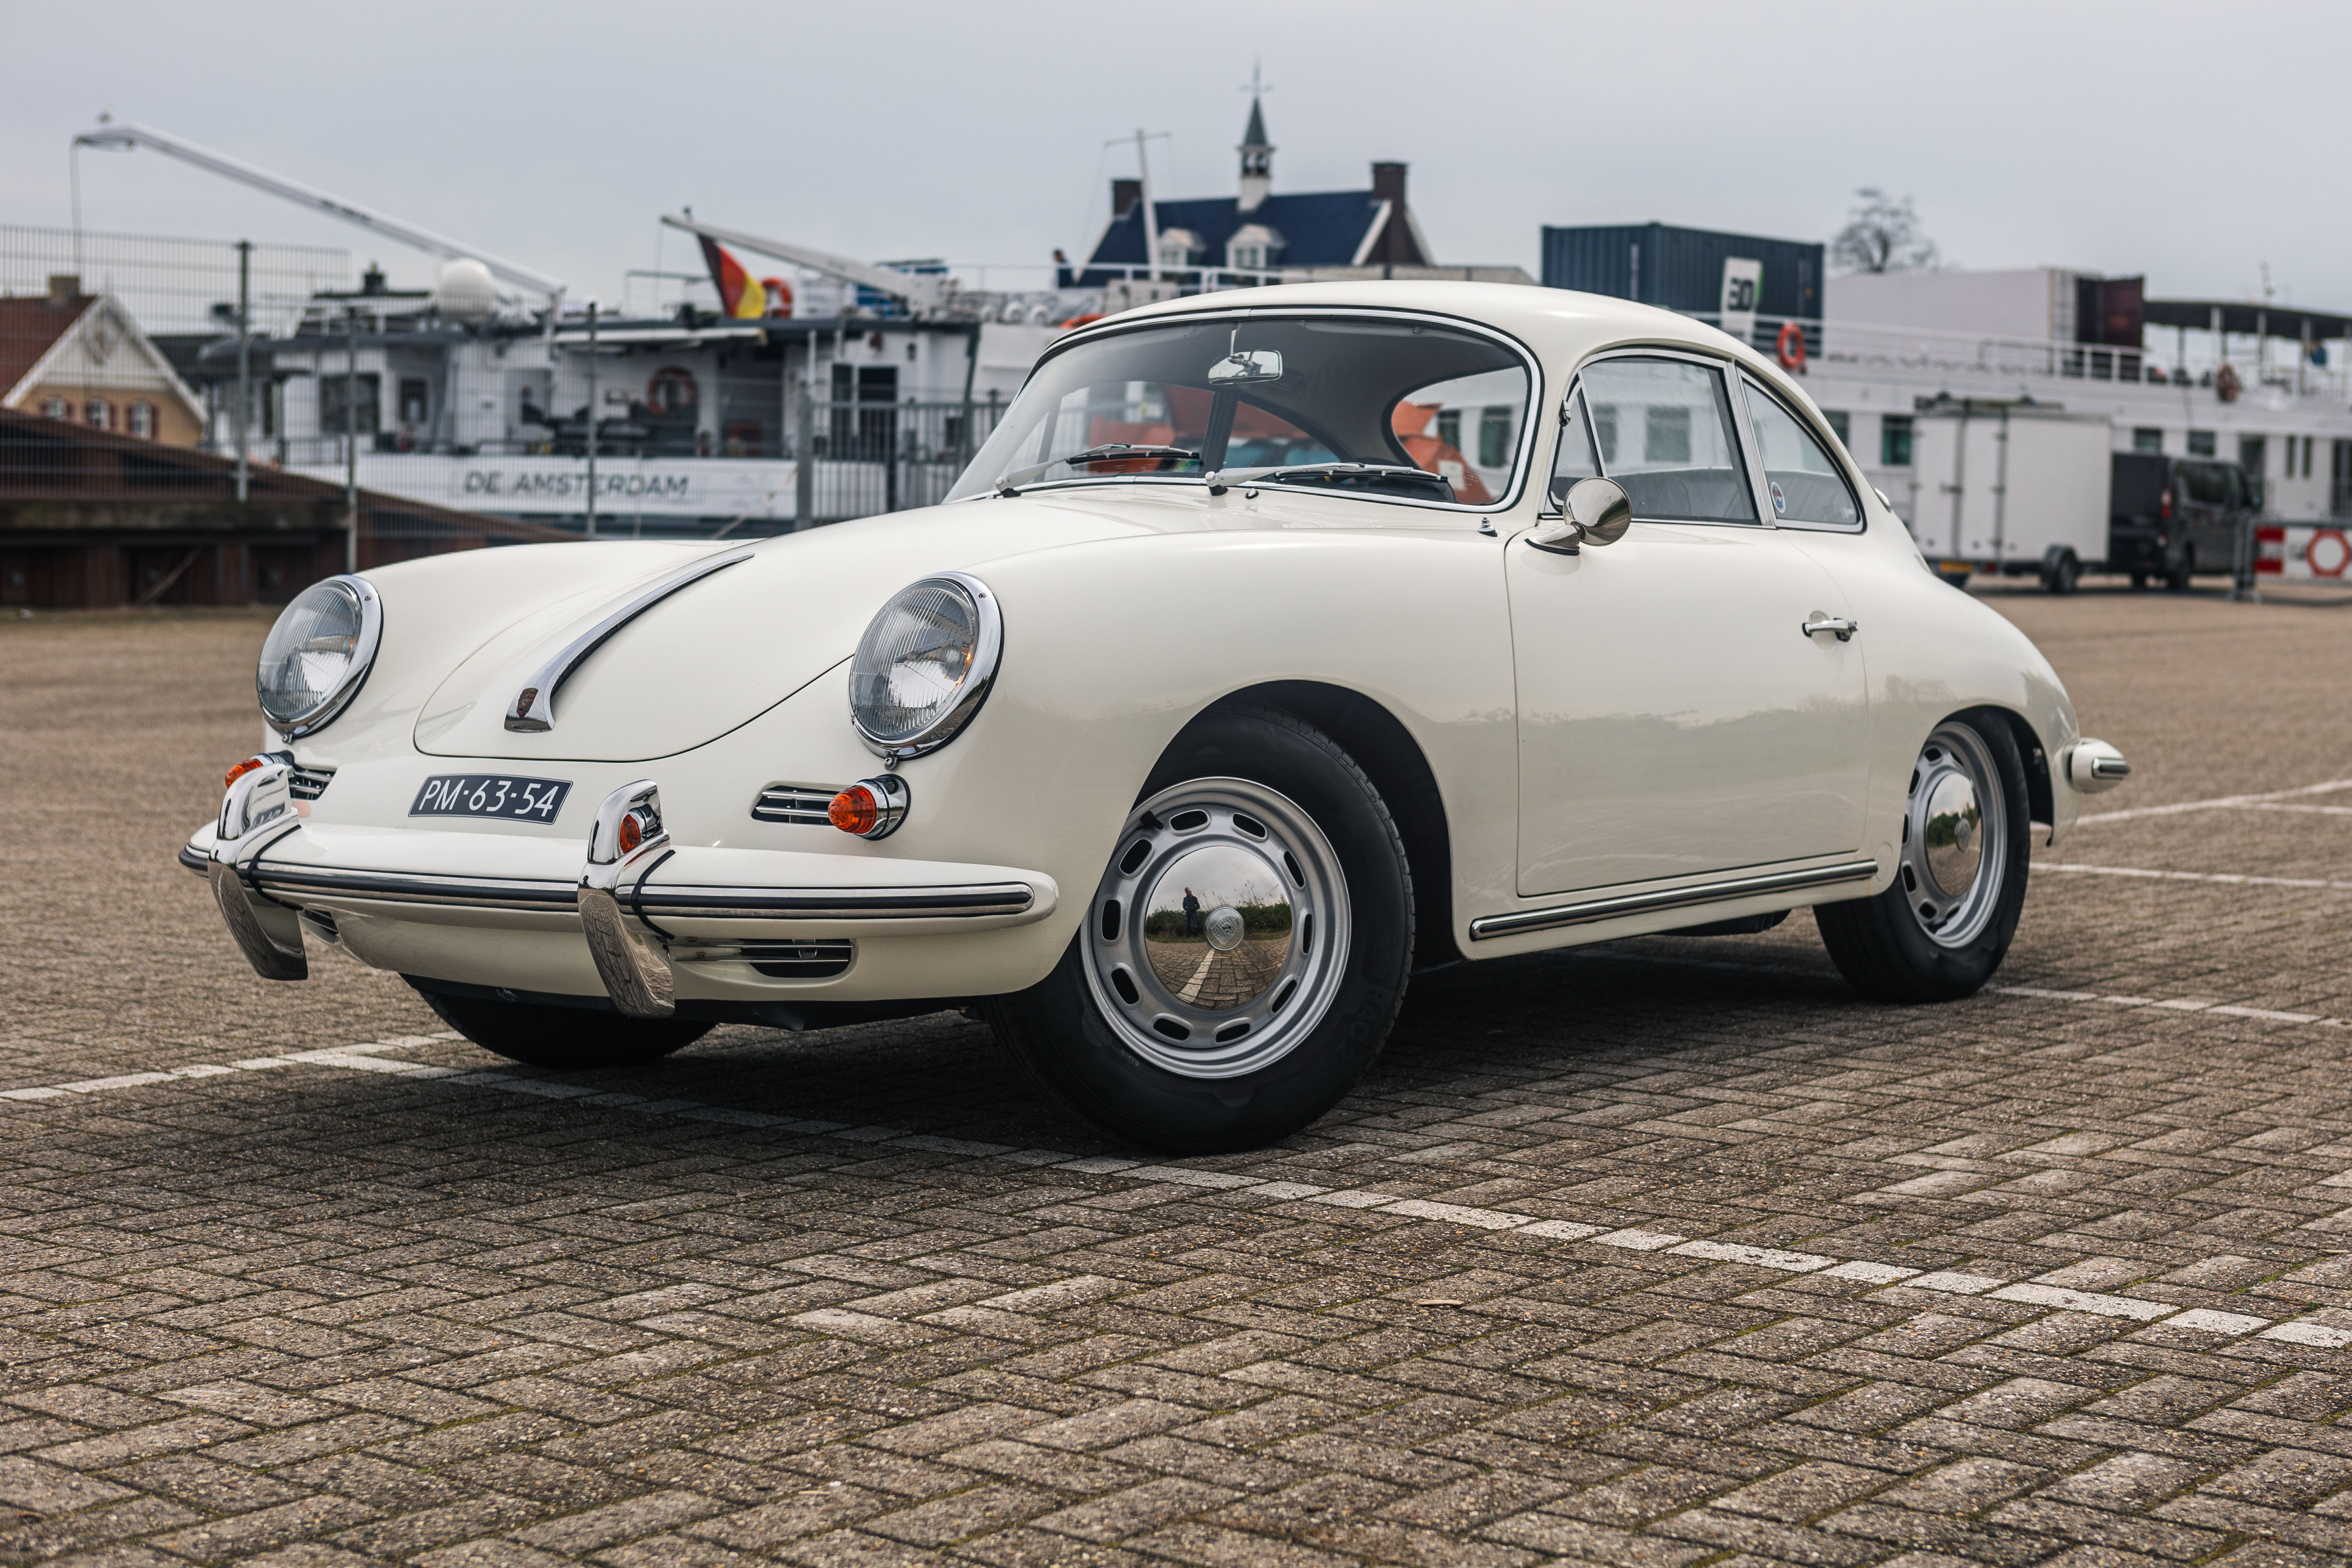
414 400
2308 441
1843 423
2200 443
56 408
2253 452
142 421
1494 438
1894 441
2339 479
1449 428
2147 438
100 413
332 396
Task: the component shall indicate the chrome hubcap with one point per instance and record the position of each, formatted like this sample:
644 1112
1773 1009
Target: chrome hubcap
1217 937
1955 837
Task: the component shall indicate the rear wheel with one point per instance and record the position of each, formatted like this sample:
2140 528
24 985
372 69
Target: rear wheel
566 1038
2177 579
1943 928
2139 582
1244 954
2061 574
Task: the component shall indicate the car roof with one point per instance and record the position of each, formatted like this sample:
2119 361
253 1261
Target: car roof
1553 321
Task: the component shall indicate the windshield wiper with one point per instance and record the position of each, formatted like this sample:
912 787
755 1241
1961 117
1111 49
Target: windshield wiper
1010 484
1224 479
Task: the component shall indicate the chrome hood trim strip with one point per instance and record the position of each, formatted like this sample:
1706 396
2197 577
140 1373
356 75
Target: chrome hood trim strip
533 708
1596 910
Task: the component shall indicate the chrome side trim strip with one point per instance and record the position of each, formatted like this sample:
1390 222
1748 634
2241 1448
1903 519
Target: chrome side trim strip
533 708
1491 926
471 892
968 900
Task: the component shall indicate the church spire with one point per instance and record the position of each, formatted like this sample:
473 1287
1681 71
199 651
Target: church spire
1257 153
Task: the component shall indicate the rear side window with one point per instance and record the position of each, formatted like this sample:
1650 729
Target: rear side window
1664 430
1804 485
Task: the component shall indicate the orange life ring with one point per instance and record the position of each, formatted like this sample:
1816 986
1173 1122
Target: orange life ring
1790 349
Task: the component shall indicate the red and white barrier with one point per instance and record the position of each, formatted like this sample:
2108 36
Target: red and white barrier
2304 552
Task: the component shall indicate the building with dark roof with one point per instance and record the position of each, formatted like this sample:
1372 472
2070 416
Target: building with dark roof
1255 235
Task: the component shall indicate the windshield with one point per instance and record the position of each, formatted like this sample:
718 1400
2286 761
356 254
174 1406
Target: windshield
1433 413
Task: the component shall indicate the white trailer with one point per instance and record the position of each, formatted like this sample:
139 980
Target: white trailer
2014 488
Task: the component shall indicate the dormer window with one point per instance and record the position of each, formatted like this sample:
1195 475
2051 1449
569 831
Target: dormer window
1253 247
1178 246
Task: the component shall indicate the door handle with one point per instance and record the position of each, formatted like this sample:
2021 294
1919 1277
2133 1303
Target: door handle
1842 627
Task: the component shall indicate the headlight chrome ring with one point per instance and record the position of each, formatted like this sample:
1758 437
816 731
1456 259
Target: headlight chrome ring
298 682
925 665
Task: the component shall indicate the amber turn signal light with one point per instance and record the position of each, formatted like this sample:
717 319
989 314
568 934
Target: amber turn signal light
871 808
241 769
632 832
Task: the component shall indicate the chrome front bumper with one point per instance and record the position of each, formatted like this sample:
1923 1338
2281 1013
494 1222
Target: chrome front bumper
637 907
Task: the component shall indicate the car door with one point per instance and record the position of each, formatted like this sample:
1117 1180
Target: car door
1674 718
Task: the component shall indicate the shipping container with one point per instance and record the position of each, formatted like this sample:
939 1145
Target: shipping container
1681 269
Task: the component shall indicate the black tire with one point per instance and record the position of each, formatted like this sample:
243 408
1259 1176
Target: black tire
2139 582
1058 1030
2177 579
1882 944
568 1039
2063 575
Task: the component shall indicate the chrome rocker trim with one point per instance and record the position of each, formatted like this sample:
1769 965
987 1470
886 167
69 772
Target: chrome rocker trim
534 708
1488 927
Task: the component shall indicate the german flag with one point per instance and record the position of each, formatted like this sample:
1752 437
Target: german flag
739 293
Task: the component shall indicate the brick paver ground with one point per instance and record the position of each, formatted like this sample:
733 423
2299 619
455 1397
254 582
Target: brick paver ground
1665 1252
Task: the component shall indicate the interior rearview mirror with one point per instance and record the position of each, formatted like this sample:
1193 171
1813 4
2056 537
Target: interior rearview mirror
1246 365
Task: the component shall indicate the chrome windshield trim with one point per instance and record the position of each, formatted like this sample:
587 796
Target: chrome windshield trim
1596 910
532 712
1524 448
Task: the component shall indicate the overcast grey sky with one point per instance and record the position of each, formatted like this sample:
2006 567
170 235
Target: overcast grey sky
2188 141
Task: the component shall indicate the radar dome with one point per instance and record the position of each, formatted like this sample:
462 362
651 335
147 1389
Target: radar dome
466 292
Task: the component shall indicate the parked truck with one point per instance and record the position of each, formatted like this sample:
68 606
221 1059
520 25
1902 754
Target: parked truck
2024 487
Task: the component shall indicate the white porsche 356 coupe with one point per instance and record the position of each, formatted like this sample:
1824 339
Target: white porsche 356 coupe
1277 644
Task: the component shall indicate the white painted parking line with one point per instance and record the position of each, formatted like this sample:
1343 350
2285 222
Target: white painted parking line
2225 878
2219 803
359 1058
2171 1004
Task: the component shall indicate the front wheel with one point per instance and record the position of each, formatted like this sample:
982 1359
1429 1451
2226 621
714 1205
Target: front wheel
2177 579
568 1038
1940 932
1243 955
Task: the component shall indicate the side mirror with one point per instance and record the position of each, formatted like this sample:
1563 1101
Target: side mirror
1594 512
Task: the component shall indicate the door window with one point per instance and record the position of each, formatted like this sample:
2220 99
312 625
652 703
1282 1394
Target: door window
2203 483
1804 485
1663 429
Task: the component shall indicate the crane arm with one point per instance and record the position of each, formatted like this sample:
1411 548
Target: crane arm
126 134
923 292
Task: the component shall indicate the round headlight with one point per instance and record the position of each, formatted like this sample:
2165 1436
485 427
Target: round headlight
318 654
925 664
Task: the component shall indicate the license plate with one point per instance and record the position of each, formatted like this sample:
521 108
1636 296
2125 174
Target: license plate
501 795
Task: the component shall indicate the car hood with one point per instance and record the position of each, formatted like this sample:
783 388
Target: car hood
723 650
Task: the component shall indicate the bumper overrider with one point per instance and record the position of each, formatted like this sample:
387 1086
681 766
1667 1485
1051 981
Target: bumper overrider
642 903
